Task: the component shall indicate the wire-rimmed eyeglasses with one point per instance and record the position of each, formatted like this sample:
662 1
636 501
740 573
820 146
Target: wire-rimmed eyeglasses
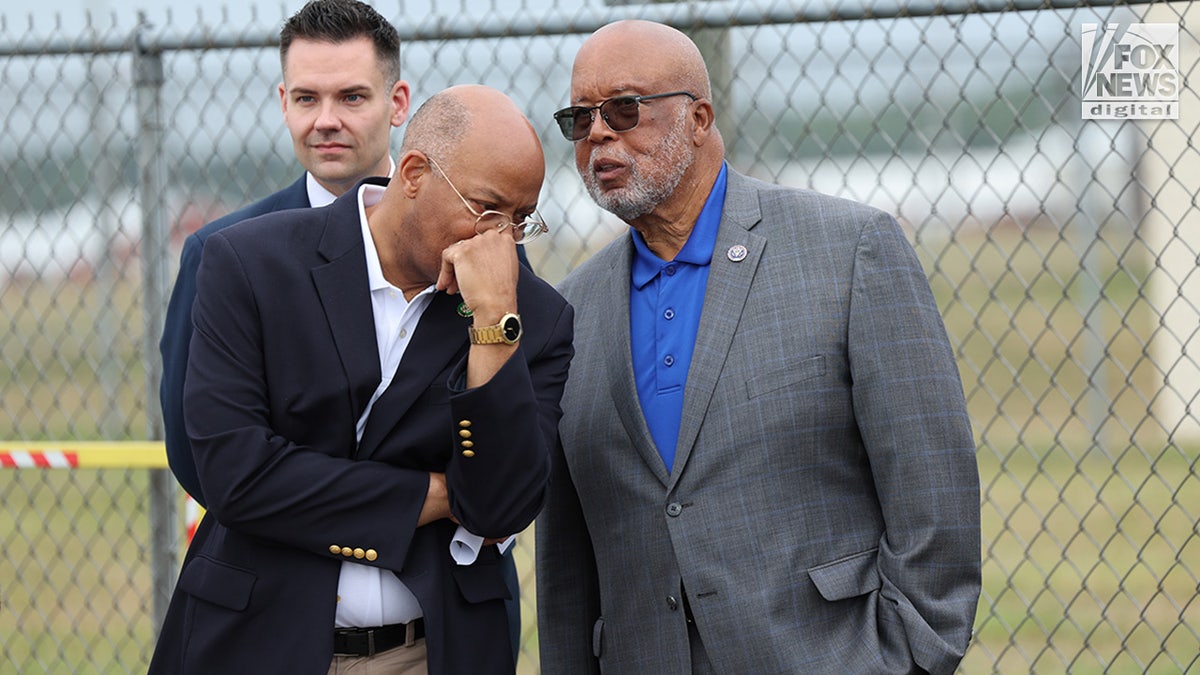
620 113
524 232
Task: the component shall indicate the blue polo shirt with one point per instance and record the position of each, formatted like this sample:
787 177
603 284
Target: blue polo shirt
665 301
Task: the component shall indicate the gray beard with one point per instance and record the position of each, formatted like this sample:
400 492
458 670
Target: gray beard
644 193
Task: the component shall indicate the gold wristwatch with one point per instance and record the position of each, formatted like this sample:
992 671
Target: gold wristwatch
508 331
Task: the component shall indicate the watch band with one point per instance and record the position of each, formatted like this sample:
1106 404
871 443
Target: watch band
488 335
508 331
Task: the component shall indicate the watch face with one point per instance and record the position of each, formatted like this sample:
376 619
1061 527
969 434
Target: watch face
512 329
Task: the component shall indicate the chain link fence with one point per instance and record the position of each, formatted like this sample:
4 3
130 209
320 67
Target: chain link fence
1063 252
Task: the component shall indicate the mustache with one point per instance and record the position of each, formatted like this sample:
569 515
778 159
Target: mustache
605 154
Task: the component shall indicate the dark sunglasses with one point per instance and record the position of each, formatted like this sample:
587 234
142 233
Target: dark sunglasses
619 113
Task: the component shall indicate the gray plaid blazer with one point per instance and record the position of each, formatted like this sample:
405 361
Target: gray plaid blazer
823 511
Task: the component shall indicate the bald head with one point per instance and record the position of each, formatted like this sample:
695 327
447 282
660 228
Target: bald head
468 150
472 115
666 60
643 125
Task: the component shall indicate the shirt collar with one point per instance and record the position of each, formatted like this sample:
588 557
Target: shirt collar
697 250
319 196
369 195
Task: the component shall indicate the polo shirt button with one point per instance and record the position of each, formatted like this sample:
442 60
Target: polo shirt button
669 314
674 509
668 360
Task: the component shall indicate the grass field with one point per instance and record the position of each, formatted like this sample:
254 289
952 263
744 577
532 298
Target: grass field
1090 543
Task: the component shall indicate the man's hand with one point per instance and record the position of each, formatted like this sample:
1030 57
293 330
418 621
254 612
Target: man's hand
483 269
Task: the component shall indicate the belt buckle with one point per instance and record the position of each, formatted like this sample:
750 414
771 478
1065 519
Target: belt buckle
410 634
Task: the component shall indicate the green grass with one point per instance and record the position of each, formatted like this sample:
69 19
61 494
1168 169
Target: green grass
1091 551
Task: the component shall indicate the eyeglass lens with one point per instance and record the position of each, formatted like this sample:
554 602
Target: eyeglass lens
524 231
620 114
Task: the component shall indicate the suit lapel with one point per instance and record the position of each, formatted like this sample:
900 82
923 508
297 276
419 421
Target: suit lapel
724 299
345 296
619 353
440 338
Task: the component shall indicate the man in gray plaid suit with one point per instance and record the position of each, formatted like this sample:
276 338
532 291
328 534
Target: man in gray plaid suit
766 462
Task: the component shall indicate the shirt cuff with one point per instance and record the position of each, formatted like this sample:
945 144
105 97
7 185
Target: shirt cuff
465 546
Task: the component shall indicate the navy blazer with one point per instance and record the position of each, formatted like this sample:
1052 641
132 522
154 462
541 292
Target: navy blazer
283 362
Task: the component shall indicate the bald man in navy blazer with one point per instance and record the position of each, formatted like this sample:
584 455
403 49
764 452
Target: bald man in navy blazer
321 463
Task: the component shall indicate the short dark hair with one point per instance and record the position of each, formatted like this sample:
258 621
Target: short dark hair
339 21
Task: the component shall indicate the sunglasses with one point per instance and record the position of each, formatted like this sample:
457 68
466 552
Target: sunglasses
620 114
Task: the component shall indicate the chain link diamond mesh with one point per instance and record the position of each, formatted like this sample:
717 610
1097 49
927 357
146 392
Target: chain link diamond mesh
1063 253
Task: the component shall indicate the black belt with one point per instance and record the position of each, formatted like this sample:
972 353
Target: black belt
371 641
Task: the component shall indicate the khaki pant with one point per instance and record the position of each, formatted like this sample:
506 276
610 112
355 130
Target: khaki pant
395 661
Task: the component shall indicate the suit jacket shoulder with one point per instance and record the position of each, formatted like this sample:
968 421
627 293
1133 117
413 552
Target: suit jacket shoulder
294 196
752 201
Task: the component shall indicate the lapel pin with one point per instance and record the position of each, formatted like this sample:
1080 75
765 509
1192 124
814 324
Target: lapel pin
737 253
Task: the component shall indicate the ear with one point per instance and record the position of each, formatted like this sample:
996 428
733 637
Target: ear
704 120
283 102
400 97
411 171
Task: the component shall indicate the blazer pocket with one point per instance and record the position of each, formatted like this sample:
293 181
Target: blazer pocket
217 582
775 380
847 577
480 582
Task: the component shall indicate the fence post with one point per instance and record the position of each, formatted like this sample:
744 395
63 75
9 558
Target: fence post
148 83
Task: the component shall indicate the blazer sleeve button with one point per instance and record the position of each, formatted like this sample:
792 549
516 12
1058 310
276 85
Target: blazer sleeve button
371 555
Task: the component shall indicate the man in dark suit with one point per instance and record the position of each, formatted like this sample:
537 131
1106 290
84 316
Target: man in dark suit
369 382
341 95
767 462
